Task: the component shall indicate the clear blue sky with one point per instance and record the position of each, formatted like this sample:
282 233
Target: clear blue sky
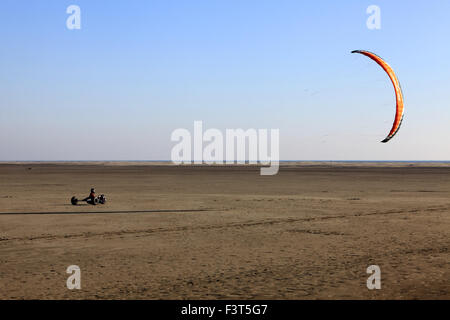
137 70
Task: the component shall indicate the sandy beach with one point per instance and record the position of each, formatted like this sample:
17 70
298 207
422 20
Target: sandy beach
225 232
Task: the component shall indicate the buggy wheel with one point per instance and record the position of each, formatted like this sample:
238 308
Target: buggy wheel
74 201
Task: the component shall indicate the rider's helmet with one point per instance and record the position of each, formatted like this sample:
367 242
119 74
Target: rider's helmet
92 190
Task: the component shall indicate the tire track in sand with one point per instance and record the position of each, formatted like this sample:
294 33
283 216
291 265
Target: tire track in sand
246 224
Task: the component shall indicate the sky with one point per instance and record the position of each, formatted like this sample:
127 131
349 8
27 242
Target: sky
138 70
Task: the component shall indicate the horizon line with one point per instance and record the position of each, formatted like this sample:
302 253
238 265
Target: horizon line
224 162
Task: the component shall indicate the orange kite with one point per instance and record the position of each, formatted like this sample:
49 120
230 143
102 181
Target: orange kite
398 92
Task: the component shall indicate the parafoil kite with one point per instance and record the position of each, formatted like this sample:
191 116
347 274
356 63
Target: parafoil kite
398 92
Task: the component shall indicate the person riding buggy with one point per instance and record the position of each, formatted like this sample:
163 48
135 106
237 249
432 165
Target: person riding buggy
91 197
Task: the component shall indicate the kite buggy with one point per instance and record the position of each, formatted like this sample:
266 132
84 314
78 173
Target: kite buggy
91 199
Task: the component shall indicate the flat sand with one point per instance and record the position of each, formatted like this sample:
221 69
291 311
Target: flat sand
225 232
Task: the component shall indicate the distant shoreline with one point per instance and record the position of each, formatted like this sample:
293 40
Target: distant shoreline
283 163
